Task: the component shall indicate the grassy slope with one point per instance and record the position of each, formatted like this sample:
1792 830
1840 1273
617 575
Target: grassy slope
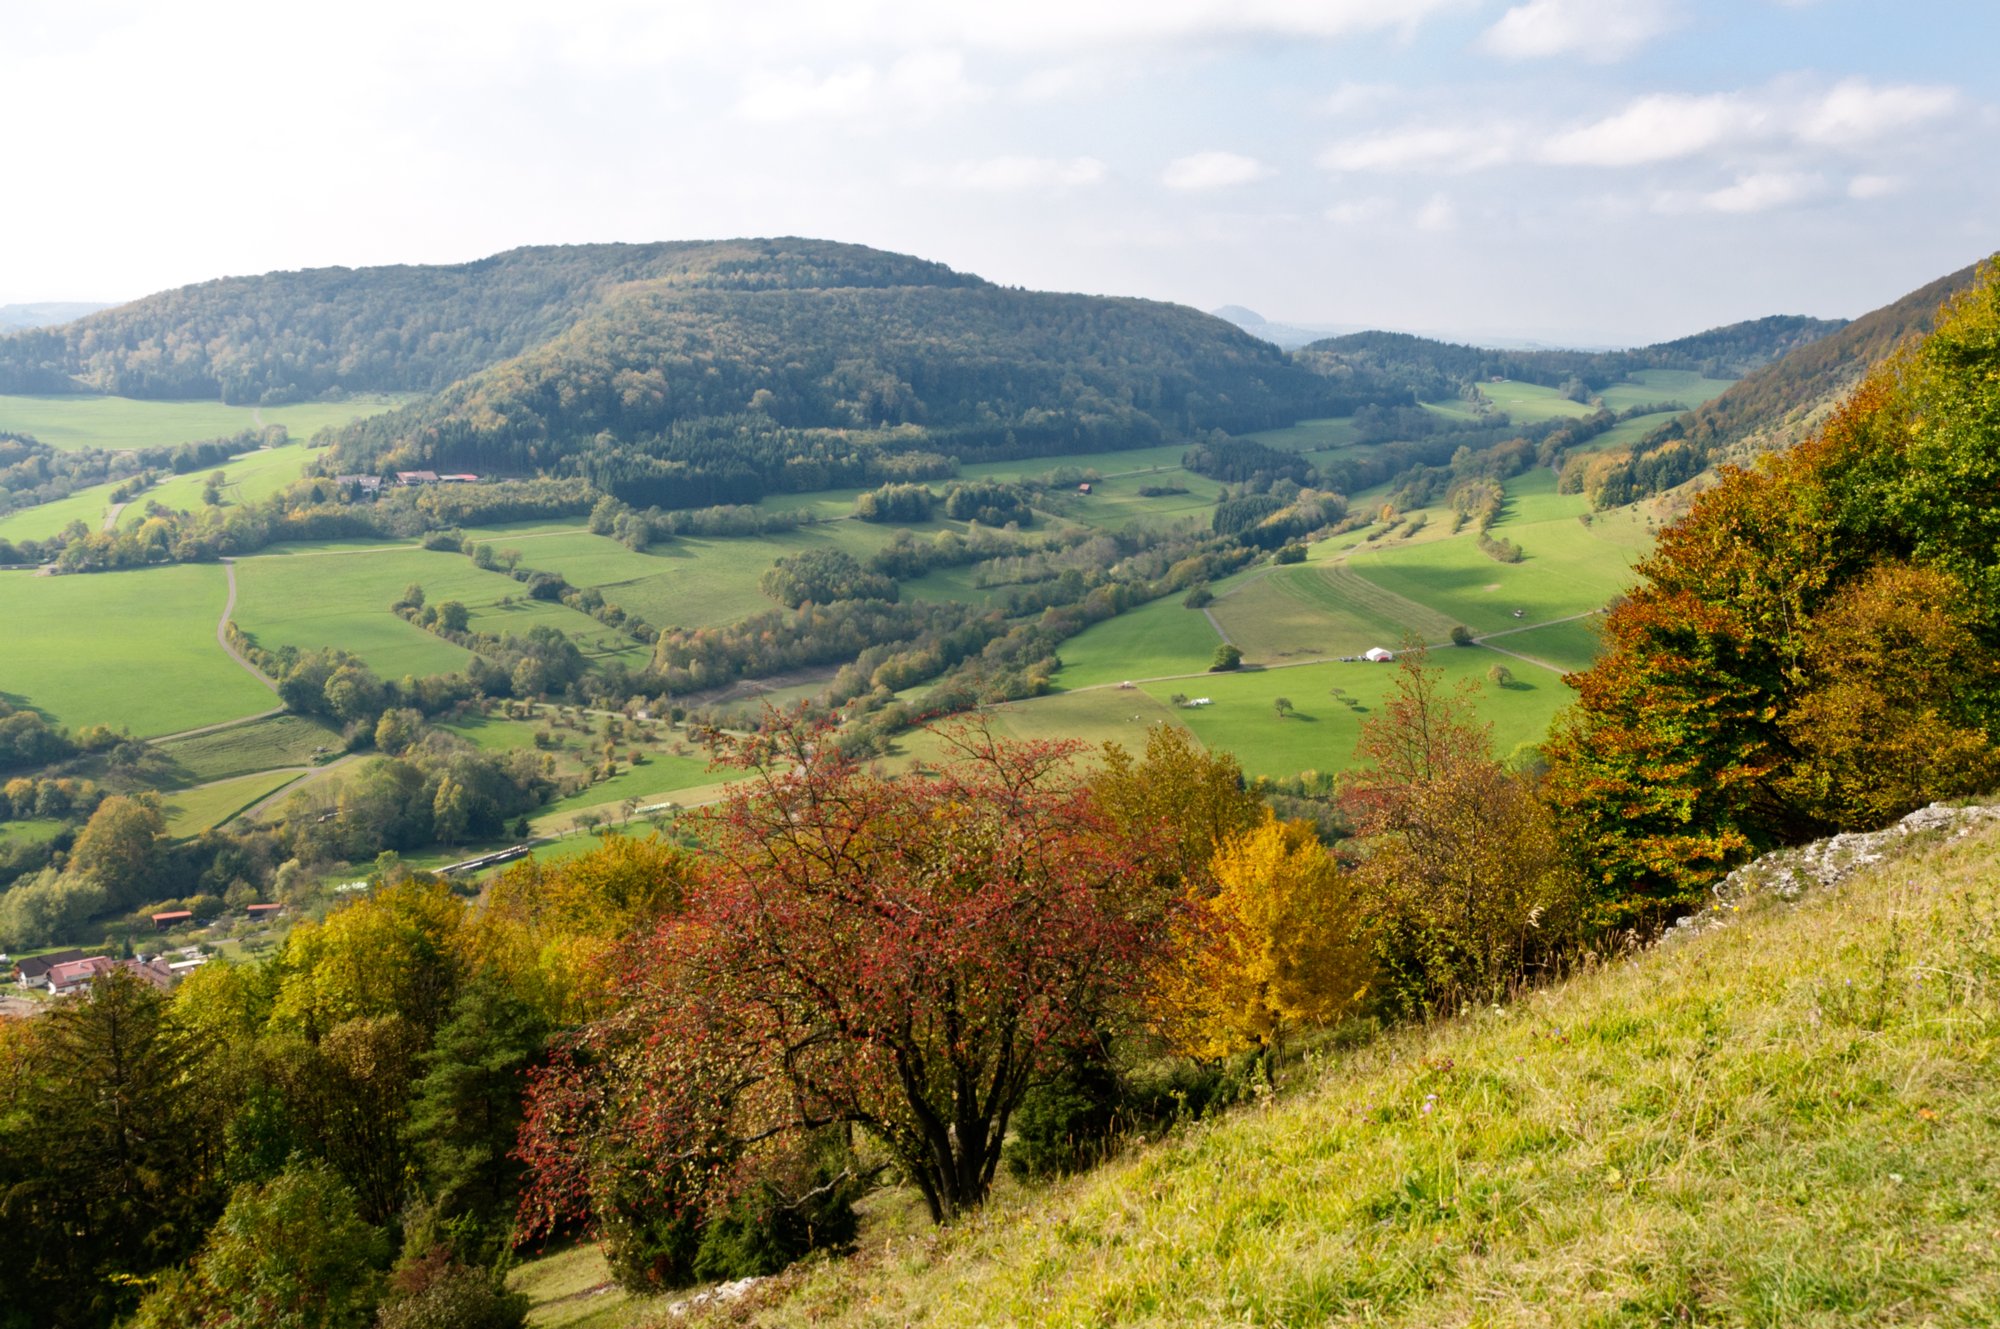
83 421
192 811
278 740
129 649
1792 1122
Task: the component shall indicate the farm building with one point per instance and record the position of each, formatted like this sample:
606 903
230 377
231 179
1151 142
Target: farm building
76 974
34 971
171 918
1376 655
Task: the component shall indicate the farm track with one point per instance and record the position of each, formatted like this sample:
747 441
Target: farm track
312 776
222 632
111 517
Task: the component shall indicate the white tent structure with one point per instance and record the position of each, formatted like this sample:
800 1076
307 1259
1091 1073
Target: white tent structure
1376 655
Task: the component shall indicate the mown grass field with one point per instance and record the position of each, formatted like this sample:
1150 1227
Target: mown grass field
131 649
89 421
1323 728
1117 502
1792 1121
249 477
312 599
192 811
35 830
1163 637
46 520
277 740
1320 609
1568 646
1569 567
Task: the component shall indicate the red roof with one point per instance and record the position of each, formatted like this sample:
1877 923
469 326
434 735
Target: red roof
80 971
264 908
172 915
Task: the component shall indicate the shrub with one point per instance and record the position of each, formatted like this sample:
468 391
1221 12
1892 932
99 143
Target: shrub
1227 657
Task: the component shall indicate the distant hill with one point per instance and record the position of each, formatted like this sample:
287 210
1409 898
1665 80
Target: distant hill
1287 335
1435 370
689 373
45 313
1778 404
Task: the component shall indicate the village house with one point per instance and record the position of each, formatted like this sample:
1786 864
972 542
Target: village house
34 971
75 975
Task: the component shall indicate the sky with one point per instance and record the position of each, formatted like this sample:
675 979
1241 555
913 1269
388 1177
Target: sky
1600 172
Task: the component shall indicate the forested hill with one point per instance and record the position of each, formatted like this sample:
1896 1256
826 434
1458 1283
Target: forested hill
286 336
1777 404
1434 370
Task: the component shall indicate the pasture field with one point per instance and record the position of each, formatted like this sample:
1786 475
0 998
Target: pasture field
950 584
1569 646
1309 436
1531 403
1627 432
683 780
1117 502
1163 637
133 649
192 811
46 520
1658 385
1569 568
1131 461
35 830
71 421
249 477
1320 609
342 599
1321 732
260 745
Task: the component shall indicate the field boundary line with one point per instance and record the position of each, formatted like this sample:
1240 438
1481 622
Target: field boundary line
215 728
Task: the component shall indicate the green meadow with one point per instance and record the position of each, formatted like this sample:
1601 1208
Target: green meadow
1322 729
313 600
1163 637
46 520
87 421
1320 609
131 649
192 811
248 477
260 745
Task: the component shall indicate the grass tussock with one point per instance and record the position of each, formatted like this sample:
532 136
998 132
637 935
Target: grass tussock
1794 1121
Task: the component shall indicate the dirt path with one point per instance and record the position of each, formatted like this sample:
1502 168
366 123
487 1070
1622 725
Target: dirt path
1209 614
1530 627
111 516
313 775
222 631
212 728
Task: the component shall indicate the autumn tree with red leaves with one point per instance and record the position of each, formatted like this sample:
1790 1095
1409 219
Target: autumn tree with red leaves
899 954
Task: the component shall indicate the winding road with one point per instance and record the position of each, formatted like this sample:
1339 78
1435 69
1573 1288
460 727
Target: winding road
222 632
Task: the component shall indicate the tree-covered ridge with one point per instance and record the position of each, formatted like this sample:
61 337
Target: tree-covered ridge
1799 388
288 335
677 396
1434 370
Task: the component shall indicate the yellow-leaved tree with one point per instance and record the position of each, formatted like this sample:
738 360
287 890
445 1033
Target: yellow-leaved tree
1278 943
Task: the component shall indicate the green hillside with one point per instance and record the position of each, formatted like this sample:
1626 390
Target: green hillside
1787 1121
1778 404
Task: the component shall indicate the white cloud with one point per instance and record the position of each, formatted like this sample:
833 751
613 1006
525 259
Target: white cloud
1436 215
1656 128
1013 175
775 96
1760 192
924 82
1358 211
1855 111
1213 170
1873 186
1354 97
1441 147
1594 29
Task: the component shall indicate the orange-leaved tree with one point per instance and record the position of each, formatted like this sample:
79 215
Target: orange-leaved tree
1464 880
1811 647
